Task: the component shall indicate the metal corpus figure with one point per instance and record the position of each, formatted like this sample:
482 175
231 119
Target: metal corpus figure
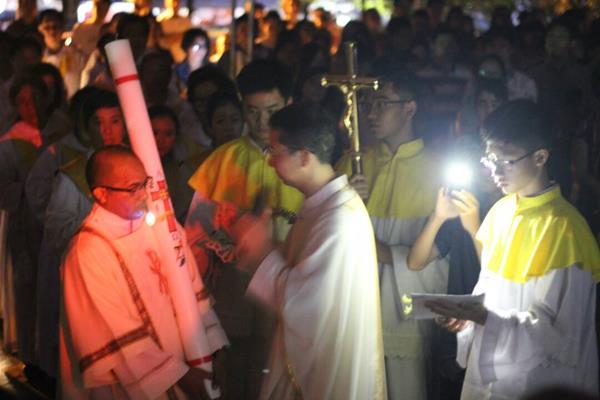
350 84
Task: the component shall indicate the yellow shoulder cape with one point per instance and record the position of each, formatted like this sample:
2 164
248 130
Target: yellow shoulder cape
237 172
402 185
527 237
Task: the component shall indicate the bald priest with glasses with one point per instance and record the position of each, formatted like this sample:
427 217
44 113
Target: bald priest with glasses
118 333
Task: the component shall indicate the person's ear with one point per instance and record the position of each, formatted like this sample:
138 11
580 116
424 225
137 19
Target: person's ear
305 156
99 194
289 101
541 156
411 108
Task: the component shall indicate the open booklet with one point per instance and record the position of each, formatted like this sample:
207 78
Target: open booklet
414 307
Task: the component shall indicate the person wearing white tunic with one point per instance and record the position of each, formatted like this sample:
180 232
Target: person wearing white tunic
540 267
400 180
118 334
324 282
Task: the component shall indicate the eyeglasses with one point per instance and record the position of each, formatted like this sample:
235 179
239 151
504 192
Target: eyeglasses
380 105
133 188
492 162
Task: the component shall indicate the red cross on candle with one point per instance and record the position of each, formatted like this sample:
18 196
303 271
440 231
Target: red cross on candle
163 193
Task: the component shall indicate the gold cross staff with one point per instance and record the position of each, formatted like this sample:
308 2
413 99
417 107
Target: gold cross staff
350 84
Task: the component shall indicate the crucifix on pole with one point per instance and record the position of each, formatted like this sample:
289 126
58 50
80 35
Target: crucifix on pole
350 84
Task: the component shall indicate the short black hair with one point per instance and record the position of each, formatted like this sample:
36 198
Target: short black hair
164 111
35 82
306 126
264 76
51 13
220 99
132 19
101 98
520 123
42 69
27 42
403 84
497 87
191 34
209 73
94 164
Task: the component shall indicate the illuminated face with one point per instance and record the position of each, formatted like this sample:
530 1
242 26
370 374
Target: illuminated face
513 168
107 123
226 124
26 106
52 30
164 132
197 52
127 173
258 108
389 113
287 164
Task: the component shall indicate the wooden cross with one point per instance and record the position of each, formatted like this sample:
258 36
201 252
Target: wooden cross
350 84
163 193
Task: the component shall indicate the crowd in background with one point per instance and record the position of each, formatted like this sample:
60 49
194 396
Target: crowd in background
57 96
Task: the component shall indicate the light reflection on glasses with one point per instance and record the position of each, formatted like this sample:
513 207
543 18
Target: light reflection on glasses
491 161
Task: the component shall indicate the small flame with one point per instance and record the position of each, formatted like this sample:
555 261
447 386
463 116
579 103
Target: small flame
150 218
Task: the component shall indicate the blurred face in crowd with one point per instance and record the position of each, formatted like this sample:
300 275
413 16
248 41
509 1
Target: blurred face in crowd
312 90
290 8
444 48
27 9
107 124
121 188
258 108
155 76
486 103
490 69
197 52
172 5
226 124
165 132
390 112
28 106
52 30
557 42
201 93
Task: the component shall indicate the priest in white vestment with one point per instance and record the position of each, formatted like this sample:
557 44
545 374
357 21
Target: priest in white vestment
324 282
118 333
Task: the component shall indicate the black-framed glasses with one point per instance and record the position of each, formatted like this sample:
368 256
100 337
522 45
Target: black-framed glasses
491 161
133 188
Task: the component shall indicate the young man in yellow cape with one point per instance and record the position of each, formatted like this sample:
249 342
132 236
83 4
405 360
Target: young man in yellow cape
237 178
540 265
398 187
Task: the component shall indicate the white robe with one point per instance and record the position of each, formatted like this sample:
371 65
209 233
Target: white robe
407 342
118 333
539 333
325 287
